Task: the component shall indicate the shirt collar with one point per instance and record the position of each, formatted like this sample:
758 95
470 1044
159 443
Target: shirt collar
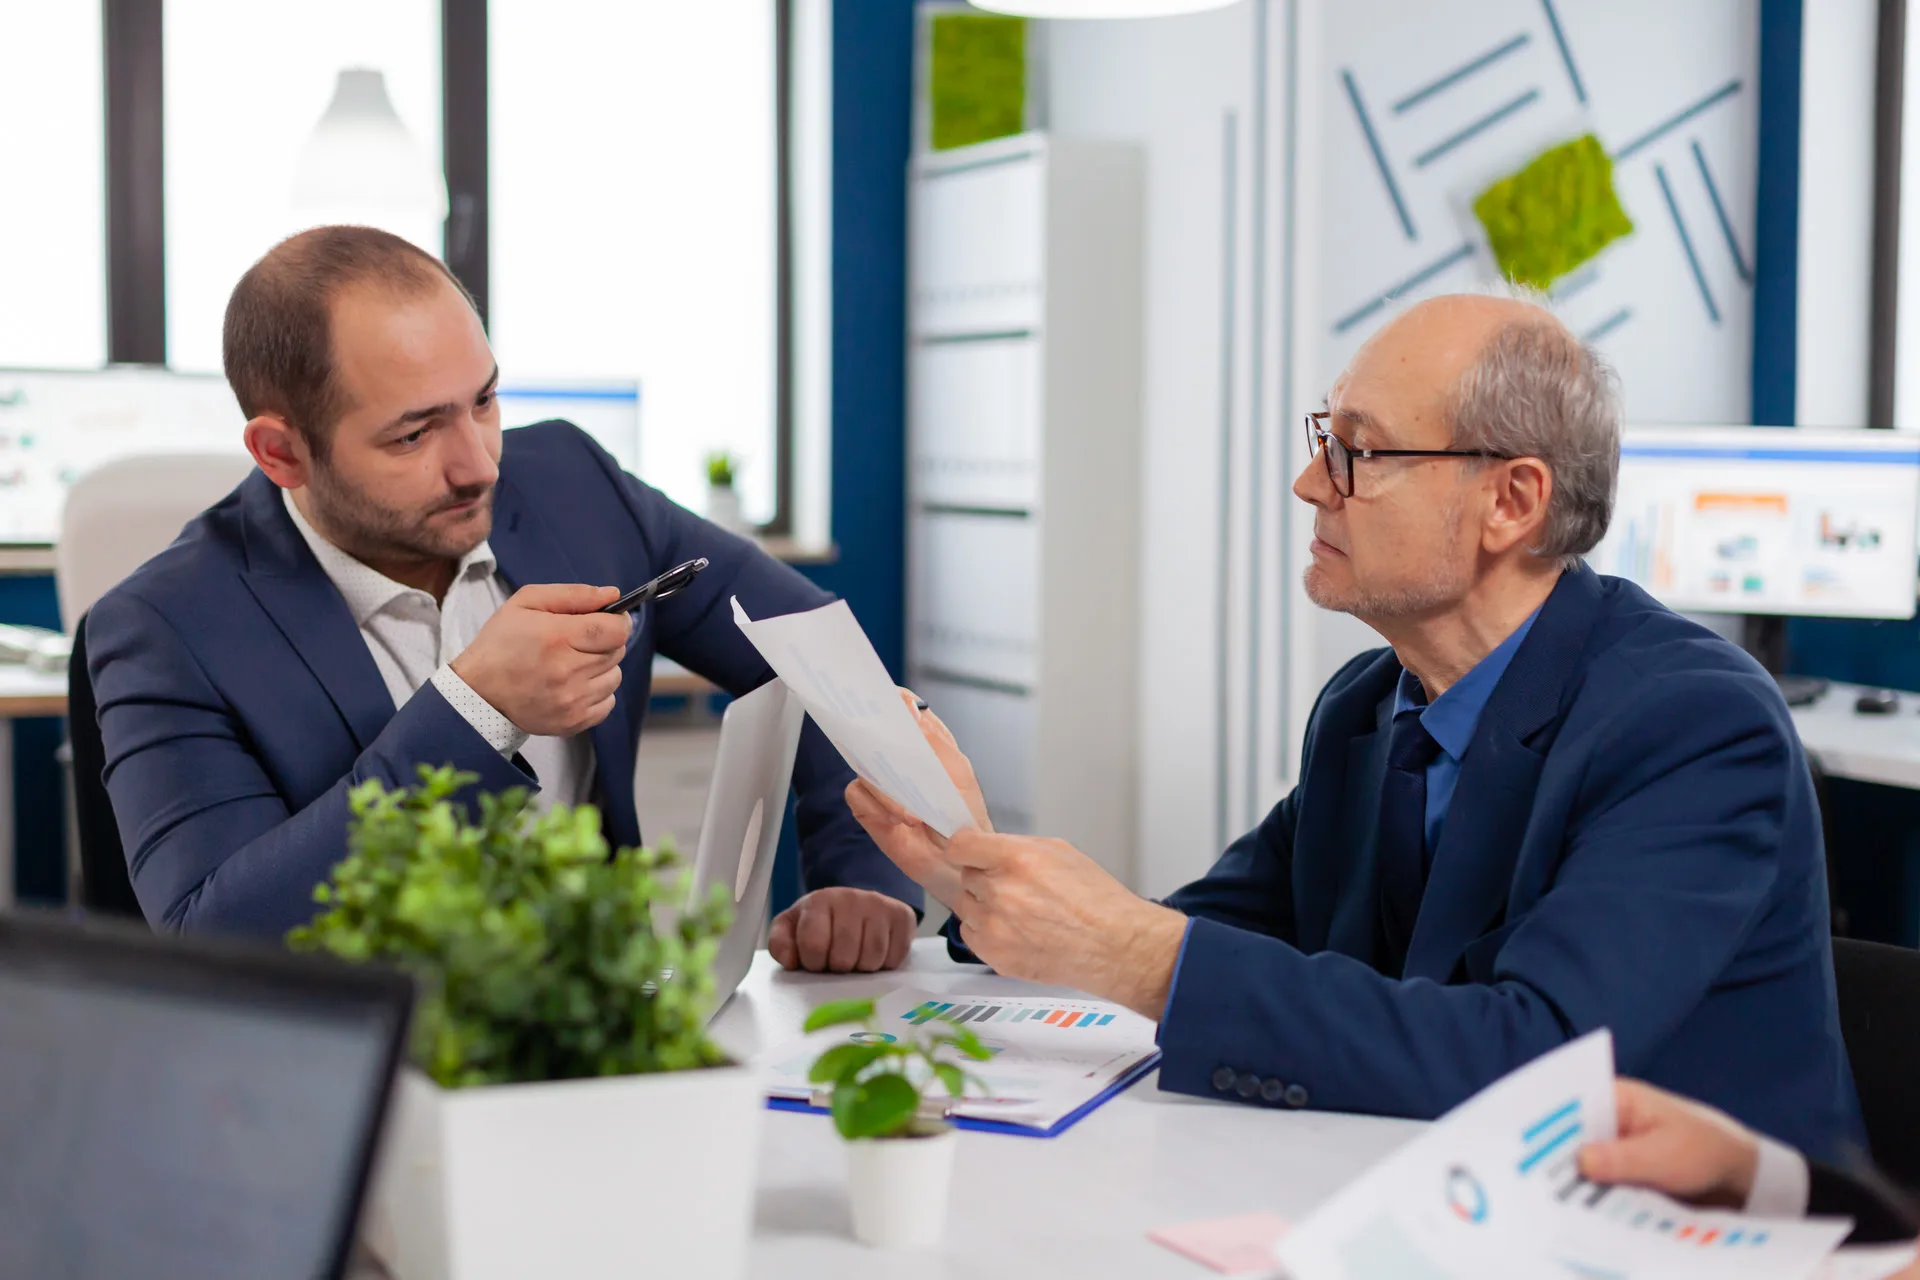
1454 715
365 589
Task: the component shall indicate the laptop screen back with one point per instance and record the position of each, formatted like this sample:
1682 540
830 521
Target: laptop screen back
194 1123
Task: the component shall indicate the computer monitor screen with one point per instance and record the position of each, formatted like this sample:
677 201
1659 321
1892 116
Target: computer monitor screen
166 1116
1768 520
607 411
56 426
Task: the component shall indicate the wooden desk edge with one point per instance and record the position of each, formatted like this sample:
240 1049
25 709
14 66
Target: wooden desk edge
27 707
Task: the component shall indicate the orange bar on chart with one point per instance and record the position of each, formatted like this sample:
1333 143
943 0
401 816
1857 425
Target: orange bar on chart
1765 503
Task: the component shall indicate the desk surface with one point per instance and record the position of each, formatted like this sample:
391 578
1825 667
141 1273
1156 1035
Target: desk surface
1079 1204
1866 748
26 692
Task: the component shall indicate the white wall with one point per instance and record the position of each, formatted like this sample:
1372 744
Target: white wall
1182 86
1838 40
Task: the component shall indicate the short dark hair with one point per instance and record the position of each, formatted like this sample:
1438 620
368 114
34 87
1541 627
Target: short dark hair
277 343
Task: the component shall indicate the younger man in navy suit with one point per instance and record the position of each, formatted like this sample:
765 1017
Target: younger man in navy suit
403 583
1551 805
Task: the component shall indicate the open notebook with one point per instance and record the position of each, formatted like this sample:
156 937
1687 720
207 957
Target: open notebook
1055 1059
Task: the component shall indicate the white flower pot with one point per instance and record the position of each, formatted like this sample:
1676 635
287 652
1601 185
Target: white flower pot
723 508
899 1189
626 1176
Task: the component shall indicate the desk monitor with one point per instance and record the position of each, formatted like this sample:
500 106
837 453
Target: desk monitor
609 411
1768 520
57 425
177 1110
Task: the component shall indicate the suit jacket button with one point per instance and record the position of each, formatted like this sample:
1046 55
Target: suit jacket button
1223 1079
1247 1085
1296 1095
1272 1091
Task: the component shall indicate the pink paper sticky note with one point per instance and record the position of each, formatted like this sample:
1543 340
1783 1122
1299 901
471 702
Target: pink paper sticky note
1238 1246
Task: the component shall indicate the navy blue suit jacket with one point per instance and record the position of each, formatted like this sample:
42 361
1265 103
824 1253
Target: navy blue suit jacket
1634 843
238 702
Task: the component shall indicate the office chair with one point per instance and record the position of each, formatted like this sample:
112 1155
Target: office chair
105 886
117 517
1879 988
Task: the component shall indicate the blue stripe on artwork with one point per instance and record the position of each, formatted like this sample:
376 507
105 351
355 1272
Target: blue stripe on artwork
1379 154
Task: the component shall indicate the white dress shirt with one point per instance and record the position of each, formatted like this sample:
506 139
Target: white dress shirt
1781 1182
413 640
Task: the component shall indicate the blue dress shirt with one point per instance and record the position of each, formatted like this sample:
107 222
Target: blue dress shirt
1451 719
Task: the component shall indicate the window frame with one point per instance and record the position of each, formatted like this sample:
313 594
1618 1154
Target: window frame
136 188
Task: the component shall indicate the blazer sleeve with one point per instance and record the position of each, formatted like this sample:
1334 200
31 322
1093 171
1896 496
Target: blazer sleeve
696 629
1671 852
211 846
1880 1213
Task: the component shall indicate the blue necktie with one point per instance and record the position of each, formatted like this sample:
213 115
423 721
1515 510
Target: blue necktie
1403 835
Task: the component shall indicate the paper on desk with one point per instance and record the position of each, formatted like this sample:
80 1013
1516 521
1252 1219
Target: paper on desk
826 661
1868 1262
1493 1189
1051 1056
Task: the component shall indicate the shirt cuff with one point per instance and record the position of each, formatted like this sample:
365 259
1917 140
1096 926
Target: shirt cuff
1779 1182
502 734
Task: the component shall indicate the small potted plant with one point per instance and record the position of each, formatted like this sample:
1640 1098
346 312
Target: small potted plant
568 1114
723 500
899 1161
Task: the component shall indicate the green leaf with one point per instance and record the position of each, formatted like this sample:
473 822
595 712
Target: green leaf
952 1077
837 1012
844 1061
878 1107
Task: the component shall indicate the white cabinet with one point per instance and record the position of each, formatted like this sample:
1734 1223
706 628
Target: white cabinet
1023 447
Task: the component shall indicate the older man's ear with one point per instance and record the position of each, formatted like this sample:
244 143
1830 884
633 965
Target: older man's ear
1523 488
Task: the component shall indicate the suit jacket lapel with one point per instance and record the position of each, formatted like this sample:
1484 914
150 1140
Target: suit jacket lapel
1355 927
529 553
1493 796
297 594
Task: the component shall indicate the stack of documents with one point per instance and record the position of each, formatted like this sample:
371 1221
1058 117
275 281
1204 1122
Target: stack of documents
1493 1189
1054 1060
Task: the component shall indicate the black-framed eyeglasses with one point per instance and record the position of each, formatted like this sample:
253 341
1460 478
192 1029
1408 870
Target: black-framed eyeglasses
1340 455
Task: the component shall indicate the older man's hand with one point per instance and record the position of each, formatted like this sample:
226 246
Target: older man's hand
1044 911
843 931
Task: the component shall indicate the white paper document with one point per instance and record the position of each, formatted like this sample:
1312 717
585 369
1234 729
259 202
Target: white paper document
1493 1189
827 662
1051 1056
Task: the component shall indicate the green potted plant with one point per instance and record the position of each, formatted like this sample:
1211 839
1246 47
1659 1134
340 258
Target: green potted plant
568 1114
899 1159
723 500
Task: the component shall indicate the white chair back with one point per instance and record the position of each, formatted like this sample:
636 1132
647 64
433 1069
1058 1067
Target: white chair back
120 515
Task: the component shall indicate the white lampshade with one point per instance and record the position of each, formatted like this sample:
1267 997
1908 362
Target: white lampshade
361 165
1098 8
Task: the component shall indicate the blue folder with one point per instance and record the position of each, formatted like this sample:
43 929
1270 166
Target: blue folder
1059 1126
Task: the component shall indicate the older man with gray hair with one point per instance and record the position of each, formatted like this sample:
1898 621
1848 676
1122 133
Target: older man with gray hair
1550 805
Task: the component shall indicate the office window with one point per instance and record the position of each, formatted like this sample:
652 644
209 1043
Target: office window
53 308
632 219
245 85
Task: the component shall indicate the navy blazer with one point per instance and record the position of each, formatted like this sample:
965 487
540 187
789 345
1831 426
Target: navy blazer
1634 843
239 704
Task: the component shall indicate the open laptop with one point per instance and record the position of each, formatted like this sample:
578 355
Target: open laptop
746 805
175 1108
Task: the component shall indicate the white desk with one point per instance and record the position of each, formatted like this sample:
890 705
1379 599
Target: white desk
1077 1205
1866 748
24 692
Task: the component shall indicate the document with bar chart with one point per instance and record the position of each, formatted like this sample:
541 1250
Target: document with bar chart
1054 1059
1493 1189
